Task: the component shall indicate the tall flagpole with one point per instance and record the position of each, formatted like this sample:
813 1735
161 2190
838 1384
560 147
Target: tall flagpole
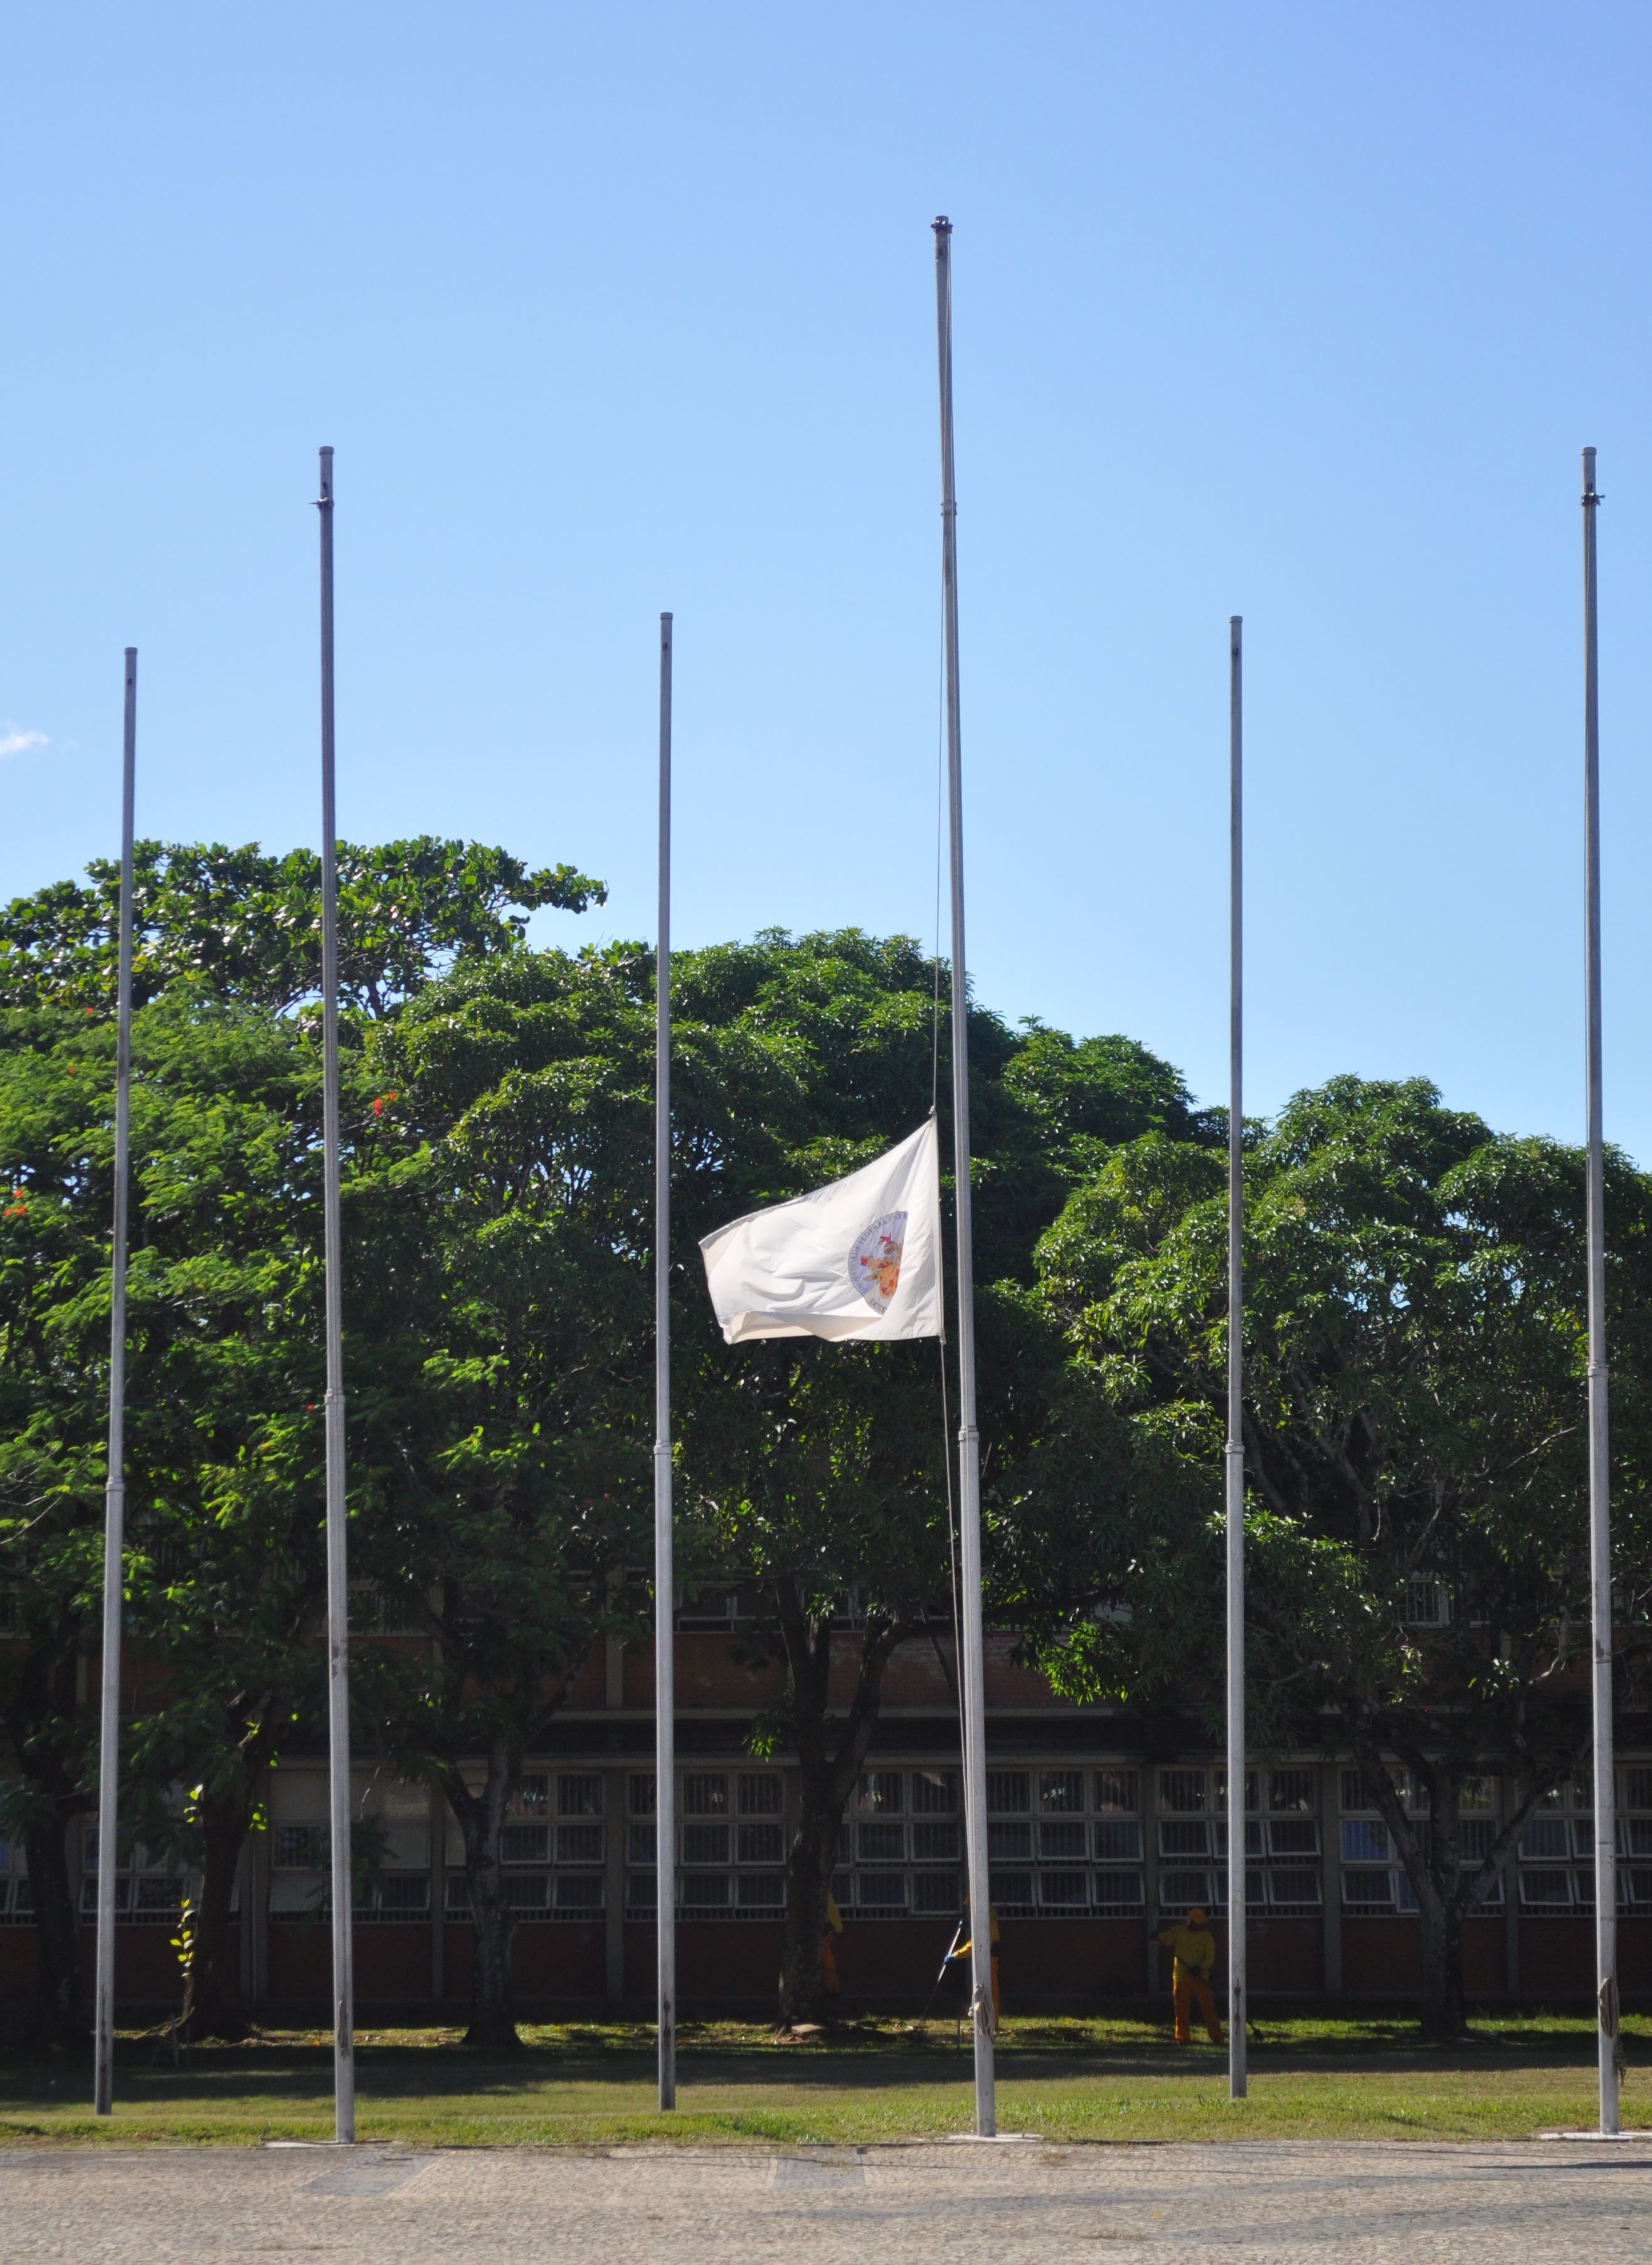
115 1491
969 1438
337 1588
665 1575
1233 1459
1599 1471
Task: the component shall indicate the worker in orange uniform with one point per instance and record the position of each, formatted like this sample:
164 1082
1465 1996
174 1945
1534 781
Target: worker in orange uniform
960 1951
1193 1961
828 1957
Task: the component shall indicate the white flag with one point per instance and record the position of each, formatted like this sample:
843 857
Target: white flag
860 1258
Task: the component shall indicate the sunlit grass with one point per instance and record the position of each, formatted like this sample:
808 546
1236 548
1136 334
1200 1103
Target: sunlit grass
1071 2079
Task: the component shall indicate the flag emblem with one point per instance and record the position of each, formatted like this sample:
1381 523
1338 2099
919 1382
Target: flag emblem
875 1259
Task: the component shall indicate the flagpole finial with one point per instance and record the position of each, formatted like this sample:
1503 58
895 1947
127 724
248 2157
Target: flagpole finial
941 225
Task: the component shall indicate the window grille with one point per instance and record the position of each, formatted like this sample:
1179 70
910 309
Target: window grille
1192 1842
1426 1603
1556 1854
1366 1843
730 1845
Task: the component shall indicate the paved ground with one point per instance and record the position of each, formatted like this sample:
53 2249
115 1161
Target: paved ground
1280 2203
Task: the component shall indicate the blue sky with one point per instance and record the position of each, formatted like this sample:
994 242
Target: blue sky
1299 312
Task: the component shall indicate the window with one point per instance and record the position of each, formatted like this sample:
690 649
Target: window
730 1846
1061 1842
1366 1841
401 1895
935 1844
1182 1791
1192 1834
554 1869
1292 1837
300 1847
1426 1604
880 1794
1184 1840
1119 1892
1357 1796
1546 1890
1546 1837
1555 1856
935 1793
936 1894
1291 1790
1218 1779
149 1889
760 1844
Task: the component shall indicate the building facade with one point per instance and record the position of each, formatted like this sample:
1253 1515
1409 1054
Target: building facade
1103 1829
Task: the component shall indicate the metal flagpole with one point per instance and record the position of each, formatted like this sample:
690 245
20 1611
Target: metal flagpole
969 1438
115 1491
1599 1474
1234 1460
337 1590
665 1575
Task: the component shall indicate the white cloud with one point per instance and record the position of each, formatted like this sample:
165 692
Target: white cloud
14 740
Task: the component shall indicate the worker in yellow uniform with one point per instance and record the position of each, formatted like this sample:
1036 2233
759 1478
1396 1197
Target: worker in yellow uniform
960 1951
1193 1961
828 1957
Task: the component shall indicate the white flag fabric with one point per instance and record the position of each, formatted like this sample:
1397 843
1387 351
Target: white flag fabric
859 1258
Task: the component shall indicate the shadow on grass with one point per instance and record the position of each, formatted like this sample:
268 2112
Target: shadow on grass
277 2071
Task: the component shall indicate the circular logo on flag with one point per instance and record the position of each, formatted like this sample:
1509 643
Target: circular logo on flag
875 1259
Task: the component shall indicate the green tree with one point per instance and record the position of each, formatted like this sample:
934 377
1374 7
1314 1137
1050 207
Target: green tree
501 1327
1415 1525
818 1473
248 922
225 1362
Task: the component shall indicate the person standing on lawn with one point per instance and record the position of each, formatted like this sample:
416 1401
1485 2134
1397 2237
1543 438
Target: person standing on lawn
1193 1961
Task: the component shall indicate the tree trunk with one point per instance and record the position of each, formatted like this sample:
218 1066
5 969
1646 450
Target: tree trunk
1429 1851
829 1776
211 1989
1440 1925
808 1884
481 1822
56 2017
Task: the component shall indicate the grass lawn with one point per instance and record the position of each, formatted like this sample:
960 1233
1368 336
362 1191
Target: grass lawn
1074 2081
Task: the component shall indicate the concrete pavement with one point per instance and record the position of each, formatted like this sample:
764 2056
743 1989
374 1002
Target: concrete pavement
1357 2203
